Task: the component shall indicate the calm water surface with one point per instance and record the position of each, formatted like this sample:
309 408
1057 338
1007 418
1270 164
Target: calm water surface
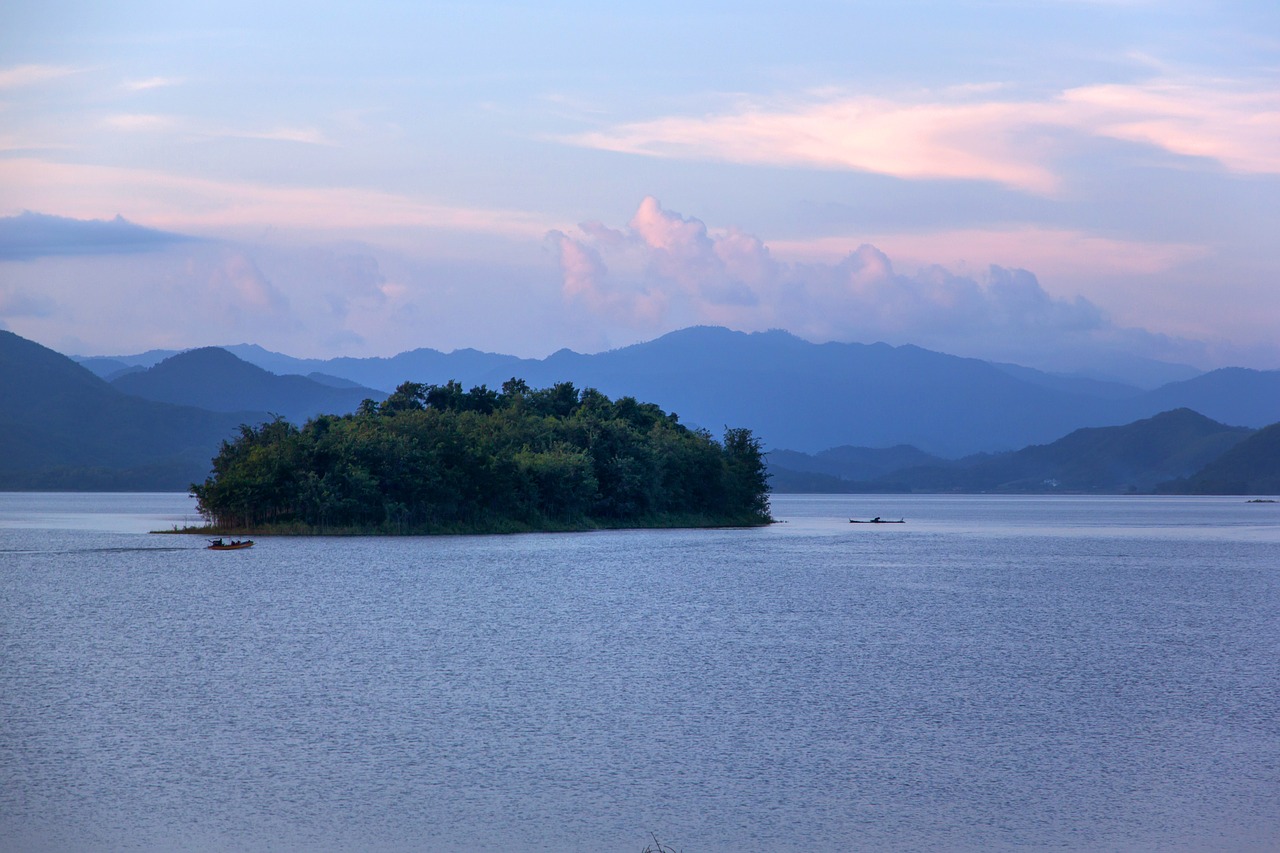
996 674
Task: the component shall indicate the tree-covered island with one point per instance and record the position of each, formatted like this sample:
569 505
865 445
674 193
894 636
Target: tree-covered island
438 459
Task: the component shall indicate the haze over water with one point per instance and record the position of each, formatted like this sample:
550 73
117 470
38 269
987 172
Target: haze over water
998 673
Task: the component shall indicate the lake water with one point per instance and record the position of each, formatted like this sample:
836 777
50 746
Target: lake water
996 674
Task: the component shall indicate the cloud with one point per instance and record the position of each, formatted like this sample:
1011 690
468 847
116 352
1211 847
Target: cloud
150 123
1073 254
661 267
30 75
924 140
306 299
17 302
301 135
1234 124
152 83
176 201
32 235
664 271
139 122
969 133
241 292
182 295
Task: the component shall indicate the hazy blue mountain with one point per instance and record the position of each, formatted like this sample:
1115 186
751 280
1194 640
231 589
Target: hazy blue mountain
1135 371
1251 467
214 379
803 396
1233 395
468 366
856 464
109 367
789 481
1133 457
1073 384
102 366
64 428
809 397
333 381
124 371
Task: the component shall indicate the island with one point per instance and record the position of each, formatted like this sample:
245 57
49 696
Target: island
435 459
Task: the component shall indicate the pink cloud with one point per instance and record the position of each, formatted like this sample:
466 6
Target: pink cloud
180 202
1237 126
971 133
1067 253
665 271
927 140
29 75
149 83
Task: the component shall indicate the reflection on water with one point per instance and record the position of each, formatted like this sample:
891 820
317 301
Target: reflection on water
1009 674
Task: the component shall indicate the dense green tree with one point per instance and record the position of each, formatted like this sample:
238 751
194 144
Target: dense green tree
438 458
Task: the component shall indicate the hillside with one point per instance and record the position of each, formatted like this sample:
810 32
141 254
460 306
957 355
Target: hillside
1131 458
1135 457
1232 395
1251 467
214 379
468 366
64 428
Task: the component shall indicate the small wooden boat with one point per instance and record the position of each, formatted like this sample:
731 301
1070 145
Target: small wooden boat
877 520
233 545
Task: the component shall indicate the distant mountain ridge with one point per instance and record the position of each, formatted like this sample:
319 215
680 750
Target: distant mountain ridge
1251 467
214 379
855 464
63 428
811 397
1135 457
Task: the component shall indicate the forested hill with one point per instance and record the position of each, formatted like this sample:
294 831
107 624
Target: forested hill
64 428
1251 467
436 458
214 379
1129 458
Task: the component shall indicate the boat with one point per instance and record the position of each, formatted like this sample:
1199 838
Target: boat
877 520
233 545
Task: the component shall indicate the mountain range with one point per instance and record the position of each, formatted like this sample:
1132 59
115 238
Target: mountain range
942 423
810 397
214 379
1251 467
1135 457
63 428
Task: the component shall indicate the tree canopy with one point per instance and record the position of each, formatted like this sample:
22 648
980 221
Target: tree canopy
437 458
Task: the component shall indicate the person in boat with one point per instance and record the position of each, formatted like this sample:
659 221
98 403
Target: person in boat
215 542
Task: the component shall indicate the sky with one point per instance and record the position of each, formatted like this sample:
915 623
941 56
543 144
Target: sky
1066 184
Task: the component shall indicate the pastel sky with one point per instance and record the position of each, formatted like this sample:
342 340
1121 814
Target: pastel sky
1060 183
